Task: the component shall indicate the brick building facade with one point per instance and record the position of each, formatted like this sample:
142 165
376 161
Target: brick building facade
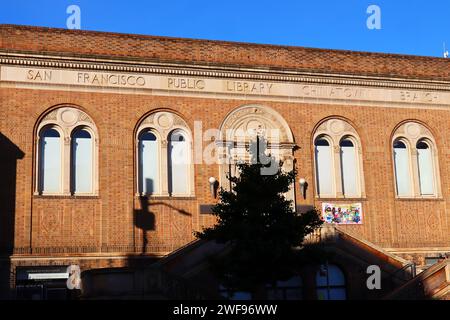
117 84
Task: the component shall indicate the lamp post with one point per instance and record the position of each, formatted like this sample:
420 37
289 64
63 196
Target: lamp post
212 186
303 184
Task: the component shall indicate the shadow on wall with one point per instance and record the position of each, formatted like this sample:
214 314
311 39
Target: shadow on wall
140 277
144 217
9 154
144 220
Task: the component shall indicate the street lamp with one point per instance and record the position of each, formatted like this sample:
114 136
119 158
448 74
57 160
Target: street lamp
303 186
212 186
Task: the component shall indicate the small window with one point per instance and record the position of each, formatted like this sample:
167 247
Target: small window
330 283
237 295
291 289
402 168
50 161
322 142
324 167
82 162
425 165
148 163
179 164
429 261
349 167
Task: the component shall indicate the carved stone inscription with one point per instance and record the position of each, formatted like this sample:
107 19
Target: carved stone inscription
278 90
332 92
39 75
248 87
418 96
185 83
105 79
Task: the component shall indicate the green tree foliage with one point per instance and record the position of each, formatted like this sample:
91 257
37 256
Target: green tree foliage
259 224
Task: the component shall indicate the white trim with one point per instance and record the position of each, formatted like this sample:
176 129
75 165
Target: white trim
208 70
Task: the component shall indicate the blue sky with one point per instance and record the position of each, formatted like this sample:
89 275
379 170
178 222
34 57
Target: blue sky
407 26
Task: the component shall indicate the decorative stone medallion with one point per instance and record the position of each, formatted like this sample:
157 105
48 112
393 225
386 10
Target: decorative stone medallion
413 130
69 117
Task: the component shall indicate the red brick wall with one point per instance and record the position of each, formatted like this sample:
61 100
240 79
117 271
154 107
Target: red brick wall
86 224
67 225
61 41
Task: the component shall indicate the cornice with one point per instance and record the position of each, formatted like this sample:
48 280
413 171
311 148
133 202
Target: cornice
216 71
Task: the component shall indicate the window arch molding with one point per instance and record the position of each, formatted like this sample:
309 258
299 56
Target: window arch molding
242 125
336 130
354 140
66 119
412 132
163 123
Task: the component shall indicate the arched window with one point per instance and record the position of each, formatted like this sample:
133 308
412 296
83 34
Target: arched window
148 163
349 167
82 162
66 168
291 289
338 160
330 283
324 167
179 163
416 167
425 166
164 156
402 168
50 161
237 295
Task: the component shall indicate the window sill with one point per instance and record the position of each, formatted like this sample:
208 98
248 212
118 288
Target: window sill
165 197
64 196
419 199
340 199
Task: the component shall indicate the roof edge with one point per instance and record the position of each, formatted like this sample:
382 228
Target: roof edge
213 41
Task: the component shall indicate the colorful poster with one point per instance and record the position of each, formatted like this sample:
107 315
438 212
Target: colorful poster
342 213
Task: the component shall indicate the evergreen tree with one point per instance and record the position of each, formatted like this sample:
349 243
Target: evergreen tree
259 224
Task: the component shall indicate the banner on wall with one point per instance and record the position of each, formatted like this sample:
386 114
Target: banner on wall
342 213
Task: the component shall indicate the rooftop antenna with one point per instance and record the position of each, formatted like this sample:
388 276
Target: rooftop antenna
445 52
